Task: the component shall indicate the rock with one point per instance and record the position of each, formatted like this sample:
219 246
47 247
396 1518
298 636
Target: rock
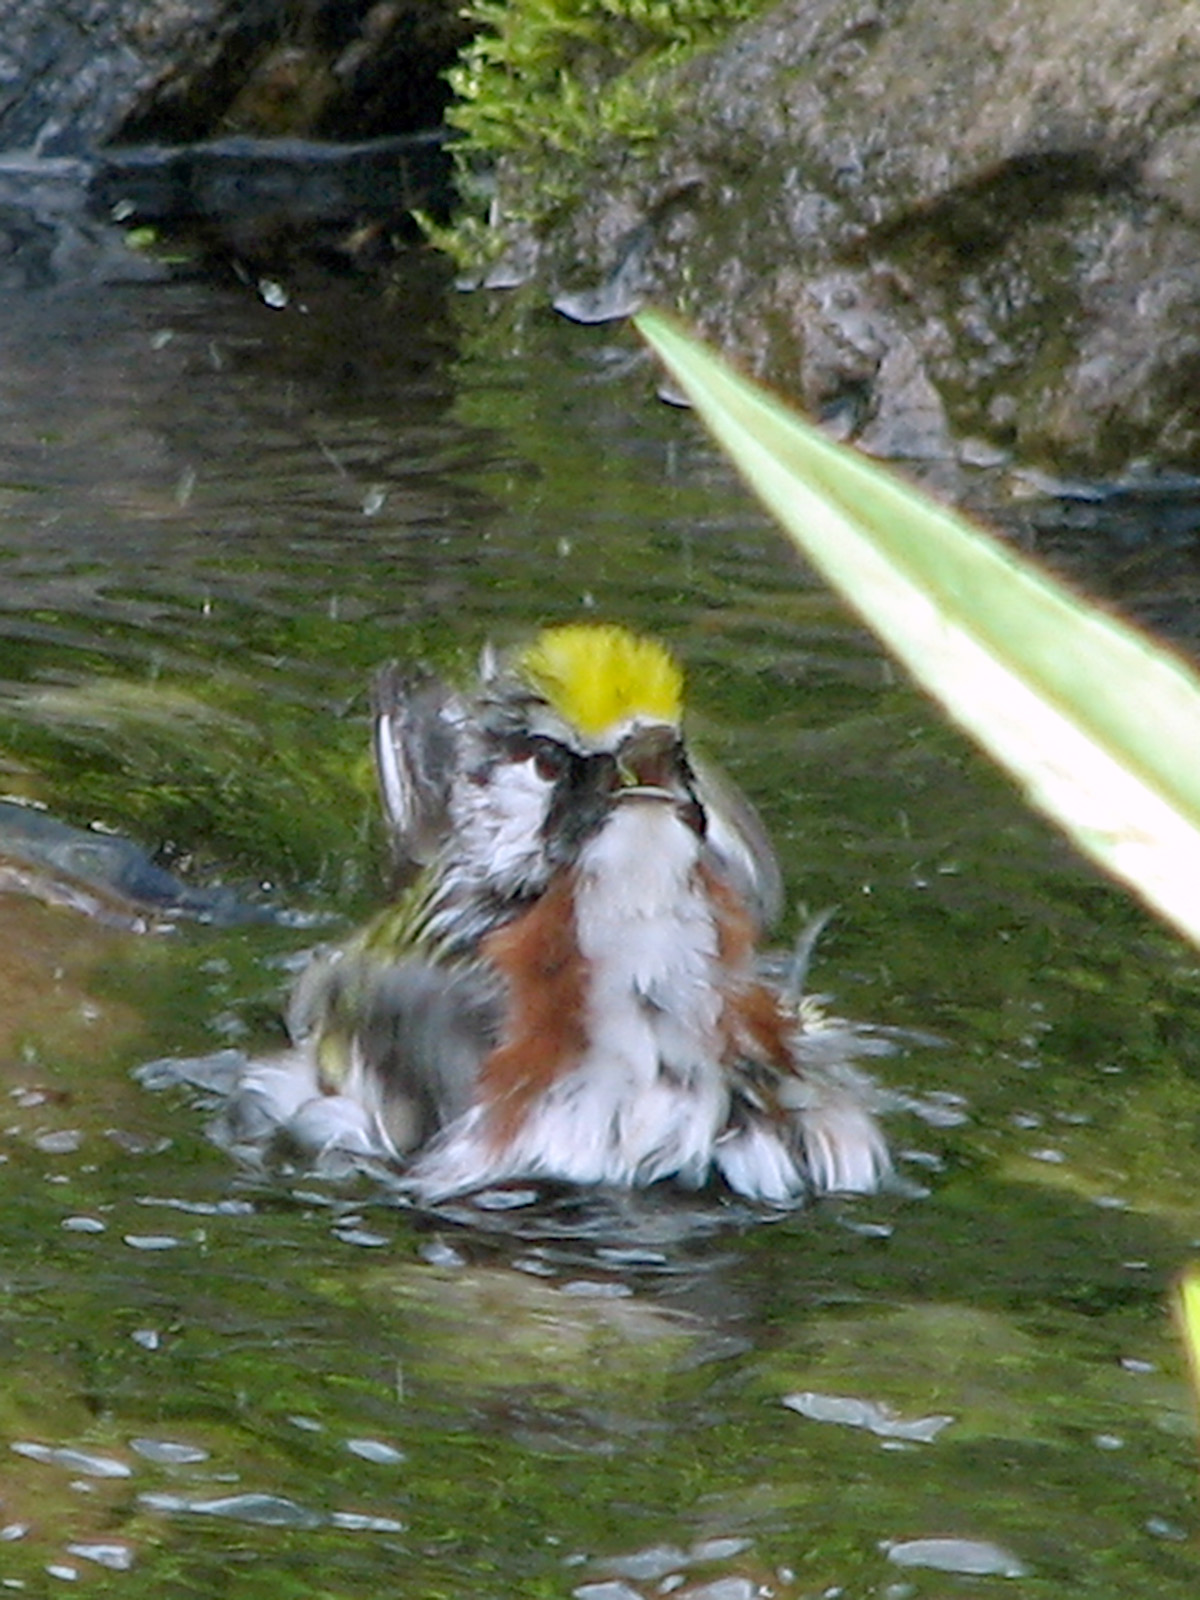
256 195
321 107
923 219
105 876
78 74
48 236
73 70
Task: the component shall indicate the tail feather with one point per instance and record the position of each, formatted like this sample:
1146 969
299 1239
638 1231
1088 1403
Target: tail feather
834 1105
844 1148
754 1161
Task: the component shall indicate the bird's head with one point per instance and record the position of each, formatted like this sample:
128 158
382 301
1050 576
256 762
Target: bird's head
584 718
601 682
557 737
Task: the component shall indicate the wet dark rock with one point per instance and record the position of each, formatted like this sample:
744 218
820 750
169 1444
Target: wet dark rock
104 876
263 200
75 71
47 233
928 220
344 88
305 179
77 74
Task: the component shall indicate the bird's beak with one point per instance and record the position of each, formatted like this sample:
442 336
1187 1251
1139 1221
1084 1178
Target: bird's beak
648 765
630 789
651 766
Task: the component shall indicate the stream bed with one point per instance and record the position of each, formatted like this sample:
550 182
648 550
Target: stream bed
217 516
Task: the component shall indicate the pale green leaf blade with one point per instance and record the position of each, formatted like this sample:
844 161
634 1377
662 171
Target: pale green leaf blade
1188 1312
1101 726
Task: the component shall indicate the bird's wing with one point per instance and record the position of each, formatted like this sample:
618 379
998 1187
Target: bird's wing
739 841
388 1023
416 739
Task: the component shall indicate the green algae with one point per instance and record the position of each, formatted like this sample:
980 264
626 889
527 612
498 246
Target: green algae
543 1403
543 84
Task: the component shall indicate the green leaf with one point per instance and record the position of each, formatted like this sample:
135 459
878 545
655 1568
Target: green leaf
1188 1307
1100 725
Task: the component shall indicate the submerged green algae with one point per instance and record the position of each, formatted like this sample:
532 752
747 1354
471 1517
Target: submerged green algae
316 1391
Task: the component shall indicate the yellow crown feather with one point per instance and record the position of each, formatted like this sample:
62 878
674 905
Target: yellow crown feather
596 675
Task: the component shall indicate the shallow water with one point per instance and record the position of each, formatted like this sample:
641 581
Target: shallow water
215 518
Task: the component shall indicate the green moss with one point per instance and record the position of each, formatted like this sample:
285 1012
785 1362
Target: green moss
543 82
187 772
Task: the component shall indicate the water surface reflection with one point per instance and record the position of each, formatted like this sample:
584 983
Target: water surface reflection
215 519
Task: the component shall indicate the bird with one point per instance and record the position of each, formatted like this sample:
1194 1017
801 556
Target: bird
569 983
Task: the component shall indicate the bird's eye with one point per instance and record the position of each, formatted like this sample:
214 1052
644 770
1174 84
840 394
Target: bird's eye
550 758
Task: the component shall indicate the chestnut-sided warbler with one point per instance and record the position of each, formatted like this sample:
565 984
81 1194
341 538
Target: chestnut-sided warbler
569 986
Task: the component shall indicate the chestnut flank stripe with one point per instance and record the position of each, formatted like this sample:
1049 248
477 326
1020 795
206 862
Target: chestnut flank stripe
544 1035
755 1025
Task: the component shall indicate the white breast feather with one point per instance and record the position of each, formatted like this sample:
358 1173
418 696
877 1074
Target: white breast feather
648 1098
